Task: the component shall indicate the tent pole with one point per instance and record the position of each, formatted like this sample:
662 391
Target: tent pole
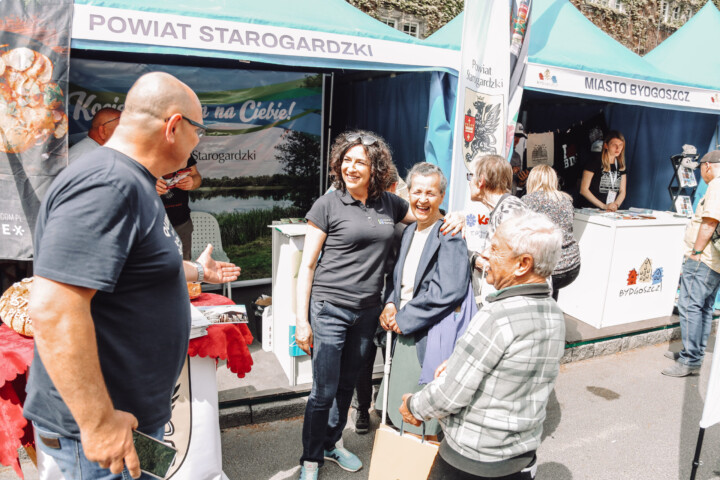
322 138
696 459
326 173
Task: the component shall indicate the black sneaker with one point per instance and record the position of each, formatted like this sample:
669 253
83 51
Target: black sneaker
362 421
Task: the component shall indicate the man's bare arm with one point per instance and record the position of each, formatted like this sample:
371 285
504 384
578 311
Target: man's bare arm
66 343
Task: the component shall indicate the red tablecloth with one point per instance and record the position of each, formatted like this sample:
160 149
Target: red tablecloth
227 342
16 352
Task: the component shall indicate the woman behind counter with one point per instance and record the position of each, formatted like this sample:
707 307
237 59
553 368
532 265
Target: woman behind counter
605 178
430 280
544 197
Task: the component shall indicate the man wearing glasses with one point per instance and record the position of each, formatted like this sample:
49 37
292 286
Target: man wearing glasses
102 127
110 305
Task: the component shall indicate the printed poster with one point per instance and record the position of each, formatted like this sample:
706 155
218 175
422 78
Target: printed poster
260 158
540 149
34 52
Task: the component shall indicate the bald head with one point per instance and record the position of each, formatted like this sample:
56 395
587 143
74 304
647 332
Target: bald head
159 95
104 116
103 124
159 125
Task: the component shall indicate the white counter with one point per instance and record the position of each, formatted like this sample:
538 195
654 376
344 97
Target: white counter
629 269
287 246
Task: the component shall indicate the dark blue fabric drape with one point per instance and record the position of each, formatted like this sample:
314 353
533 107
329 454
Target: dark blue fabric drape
394 107
653 135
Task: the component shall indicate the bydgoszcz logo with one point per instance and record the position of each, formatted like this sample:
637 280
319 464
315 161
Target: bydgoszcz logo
643 280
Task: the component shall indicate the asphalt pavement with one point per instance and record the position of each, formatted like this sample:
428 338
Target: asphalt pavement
610 417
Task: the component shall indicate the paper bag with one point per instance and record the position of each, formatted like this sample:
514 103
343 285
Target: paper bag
400 457
540 149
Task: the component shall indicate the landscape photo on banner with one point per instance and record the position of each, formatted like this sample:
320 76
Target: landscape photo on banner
259 159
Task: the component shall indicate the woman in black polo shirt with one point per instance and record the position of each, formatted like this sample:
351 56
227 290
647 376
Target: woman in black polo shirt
353 228
604 178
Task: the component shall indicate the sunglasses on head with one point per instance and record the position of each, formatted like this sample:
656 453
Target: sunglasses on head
366 140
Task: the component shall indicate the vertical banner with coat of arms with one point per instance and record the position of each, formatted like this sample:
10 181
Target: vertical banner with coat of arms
482 93
34 54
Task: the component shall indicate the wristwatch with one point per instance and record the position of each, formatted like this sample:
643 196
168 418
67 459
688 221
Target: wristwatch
697 252
200 271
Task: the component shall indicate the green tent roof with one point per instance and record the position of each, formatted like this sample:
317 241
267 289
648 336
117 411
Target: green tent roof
691 52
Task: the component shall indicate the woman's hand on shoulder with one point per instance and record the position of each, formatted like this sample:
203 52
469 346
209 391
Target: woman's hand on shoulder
454 223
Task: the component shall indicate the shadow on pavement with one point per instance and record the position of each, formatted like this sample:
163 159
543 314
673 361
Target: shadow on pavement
554 471
552 417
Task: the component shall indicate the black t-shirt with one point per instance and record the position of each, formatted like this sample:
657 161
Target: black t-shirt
177 200
350 272
102 226
602 182
567 161
591 134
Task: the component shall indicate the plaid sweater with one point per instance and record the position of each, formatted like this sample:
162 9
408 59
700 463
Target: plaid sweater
491 401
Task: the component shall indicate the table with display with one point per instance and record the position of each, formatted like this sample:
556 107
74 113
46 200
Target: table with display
195 404
630 267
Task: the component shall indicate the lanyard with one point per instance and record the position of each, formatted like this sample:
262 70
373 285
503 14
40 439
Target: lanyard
614 178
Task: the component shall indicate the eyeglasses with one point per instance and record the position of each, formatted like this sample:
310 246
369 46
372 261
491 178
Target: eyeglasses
469 176
200 130
110 121
366 140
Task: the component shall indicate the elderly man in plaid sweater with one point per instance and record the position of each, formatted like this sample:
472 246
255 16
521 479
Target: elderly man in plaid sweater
491 394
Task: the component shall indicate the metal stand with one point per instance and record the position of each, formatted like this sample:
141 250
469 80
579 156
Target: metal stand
696 459
676 187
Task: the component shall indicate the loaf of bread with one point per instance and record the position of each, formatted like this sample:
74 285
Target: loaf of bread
14 307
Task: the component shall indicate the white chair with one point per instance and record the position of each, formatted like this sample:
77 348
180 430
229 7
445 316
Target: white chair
206 230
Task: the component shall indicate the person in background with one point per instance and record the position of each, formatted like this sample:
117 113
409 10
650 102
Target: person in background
102 127
520 175
490 184
604 179
700 278
362 396
429 283
109 303
491 395
173 190
545 197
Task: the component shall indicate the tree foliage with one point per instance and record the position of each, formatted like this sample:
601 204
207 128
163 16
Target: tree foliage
436 12
641 26
300 157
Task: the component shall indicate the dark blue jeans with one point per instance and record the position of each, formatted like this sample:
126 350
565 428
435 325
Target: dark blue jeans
342 340
699 285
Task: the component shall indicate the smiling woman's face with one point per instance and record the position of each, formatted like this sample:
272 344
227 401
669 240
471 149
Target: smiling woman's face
425 198
356 168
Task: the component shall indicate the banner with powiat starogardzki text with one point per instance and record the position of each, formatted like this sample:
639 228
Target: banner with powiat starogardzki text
482 92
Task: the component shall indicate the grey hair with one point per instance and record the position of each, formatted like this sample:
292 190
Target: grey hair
534 234
426 169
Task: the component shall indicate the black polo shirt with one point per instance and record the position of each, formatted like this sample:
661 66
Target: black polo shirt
359 239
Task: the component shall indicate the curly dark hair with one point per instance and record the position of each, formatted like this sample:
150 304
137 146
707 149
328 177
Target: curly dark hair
378 153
